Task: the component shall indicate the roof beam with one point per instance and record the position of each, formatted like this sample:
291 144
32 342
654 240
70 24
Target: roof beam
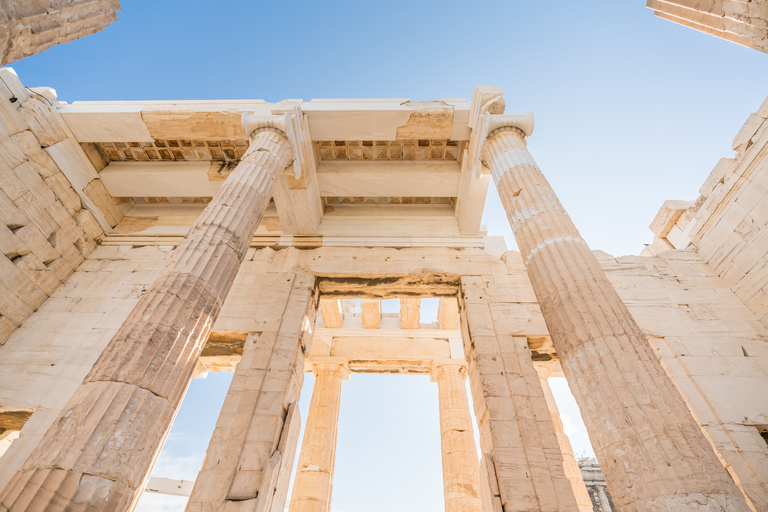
448 313
410 313
161 179
350 178
331 310
371 313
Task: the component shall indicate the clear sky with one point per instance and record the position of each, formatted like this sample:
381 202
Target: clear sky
630 109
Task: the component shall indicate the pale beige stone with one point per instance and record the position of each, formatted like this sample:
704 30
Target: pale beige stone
313 485
591 326
410 313
461 472
28 29
522 464
251 453
740 22
371 311
183 302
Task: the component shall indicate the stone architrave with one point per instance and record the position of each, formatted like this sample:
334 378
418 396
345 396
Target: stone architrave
97 454
250 456
461 472
313 485
522 464
651 450
570 465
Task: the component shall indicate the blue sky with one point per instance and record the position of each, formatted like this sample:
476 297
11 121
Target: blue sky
630 109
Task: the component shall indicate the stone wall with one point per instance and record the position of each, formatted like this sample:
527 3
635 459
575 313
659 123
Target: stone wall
714 348
53 207
43 362
739 21
27 28
728 223
711 344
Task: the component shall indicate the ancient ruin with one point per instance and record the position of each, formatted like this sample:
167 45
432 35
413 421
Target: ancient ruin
739 21
27 28
146 242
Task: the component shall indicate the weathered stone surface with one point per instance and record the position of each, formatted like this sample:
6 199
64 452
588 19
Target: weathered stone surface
522 465
253 446
461 473
314 474
166 329
745 23
635 415
29 28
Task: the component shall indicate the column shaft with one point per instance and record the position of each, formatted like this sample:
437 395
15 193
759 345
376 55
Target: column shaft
314 477
604 503
652 451
98 452
250 456
570 465
461 471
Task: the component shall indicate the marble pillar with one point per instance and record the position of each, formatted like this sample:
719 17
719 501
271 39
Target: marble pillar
572 470
313 485
651 450
97 454
461 471
522 464
251 454
604 503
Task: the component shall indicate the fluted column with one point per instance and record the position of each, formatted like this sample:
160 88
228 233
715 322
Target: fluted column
314 477
654 454
570 465
461 470
98 452
604 503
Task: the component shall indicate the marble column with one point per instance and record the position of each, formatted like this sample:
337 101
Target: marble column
461 470
314 477
97 454
251 454
652 451
604 503
570 465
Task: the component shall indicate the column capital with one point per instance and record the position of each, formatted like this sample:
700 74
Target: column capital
448 367
331 367
291 124
491 125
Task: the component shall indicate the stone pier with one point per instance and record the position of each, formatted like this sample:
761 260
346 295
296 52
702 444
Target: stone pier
313 486
461 473
652 451
97 454
252 450
522 464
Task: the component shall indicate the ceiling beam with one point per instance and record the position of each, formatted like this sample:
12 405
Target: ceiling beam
448 313
349 178
410 313
161 179
331 310
371 313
